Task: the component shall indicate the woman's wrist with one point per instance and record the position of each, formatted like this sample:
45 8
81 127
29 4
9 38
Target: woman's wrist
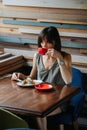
23 76
61 63
29 77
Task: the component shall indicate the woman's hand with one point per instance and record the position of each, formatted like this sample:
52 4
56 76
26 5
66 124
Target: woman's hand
16 76
55 54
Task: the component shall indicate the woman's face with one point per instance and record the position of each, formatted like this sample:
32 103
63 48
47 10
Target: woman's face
46 44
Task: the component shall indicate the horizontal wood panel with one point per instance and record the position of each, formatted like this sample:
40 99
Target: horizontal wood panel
83 51
5 55
15 29
63 21
28 54
43 15
58 25
12 67
75 4
10 59
79 59
6 67
61 11
62 15
69 44
10 62
1 50
67 34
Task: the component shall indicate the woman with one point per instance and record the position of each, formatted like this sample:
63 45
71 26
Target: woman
54 66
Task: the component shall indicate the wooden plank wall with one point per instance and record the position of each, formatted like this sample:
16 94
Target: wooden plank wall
22 20
47 3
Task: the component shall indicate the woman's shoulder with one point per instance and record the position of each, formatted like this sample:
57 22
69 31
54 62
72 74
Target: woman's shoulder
65 54
37 57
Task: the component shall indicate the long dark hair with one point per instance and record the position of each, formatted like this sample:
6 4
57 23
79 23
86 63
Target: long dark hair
52 35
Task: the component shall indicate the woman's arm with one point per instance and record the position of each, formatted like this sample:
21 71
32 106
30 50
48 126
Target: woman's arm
65 68
64 63
33 72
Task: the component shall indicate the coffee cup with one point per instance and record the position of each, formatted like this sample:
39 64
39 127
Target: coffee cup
42 51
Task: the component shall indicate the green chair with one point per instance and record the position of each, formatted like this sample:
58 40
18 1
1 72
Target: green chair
10 120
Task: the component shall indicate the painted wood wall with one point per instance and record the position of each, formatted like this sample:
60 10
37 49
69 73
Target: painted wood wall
22 20
75 4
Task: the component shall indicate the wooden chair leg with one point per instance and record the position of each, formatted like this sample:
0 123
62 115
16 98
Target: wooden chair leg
61 127
75 125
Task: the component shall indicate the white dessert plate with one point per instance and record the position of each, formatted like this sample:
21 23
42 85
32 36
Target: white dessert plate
29 85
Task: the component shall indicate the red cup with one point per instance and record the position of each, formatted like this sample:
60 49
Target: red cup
42 51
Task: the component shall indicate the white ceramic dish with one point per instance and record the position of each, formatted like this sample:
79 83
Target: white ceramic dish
29 85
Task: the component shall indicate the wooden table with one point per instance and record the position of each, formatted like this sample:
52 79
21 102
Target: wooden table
31 101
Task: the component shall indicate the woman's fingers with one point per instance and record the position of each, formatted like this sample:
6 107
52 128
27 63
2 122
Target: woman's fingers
51 52
15 76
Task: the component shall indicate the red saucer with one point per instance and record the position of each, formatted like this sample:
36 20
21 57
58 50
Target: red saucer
43 86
